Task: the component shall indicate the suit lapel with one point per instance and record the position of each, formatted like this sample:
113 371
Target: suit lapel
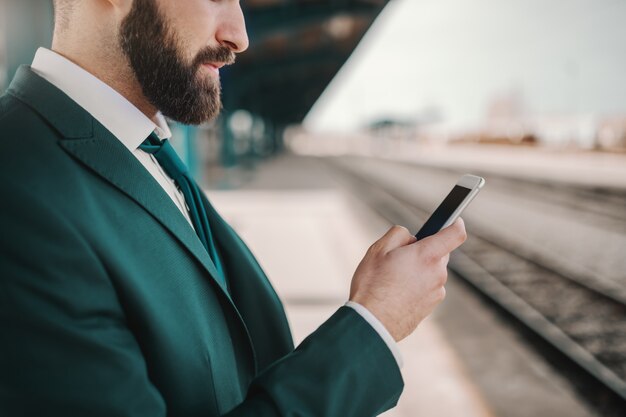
89 142
112 161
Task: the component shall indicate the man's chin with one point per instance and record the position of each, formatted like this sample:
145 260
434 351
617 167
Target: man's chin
194 116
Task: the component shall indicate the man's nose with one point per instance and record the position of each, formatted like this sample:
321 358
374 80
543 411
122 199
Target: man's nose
232 30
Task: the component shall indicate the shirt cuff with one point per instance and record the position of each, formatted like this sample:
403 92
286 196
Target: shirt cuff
380 329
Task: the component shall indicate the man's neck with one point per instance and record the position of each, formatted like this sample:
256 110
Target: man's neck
119 77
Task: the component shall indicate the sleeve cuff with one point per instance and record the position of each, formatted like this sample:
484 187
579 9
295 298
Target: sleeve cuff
380 329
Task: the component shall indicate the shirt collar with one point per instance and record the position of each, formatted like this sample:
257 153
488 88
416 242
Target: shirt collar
107 106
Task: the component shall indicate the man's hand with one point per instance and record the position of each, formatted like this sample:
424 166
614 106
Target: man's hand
401 281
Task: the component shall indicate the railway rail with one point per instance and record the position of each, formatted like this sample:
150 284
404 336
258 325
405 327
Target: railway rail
585 325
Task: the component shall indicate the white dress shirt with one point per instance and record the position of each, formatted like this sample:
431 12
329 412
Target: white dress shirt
131 127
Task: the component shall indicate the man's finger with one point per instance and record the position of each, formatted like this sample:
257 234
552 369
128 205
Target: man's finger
395 237
446 240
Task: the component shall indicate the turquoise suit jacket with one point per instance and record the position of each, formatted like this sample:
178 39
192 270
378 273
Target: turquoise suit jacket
108 301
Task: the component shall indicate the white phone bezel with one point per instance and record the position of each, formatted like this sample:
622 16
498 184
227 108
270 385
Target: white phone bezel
472 182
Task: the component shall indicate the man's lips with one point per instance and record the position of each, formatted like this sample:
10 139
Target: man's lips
213 66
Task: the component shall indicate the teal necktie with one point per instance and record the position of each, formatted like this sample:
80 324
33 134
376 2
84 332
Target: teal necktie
176 169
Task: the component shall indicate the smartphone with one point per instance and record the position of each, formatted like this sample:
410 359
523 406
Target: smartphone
452 206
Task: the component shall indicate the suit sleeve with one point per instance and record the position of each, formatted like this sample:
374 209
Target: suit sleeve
343 369
66 349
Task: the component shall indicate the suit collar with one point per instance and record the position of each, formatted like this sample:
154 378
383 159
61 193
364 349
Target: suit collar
52 104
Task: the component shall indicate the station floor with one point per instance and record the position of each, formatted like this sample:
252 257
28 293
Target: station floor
309 235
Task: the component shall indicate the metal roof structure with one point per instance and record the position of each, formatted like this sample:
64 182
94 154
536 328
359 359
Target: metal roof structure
296 48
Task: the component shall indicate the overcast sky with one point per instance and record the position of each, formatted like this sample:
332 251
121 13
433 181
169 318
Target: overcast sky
563 56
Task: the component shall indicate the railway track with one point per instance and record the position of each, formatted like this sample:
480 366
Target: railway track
606 204
586 326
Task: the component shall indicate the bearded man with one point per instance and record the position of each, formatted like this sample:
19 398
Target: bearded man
122 291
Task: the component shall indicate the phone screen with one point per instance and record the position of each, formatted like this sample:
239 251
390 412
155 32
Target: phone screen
443 212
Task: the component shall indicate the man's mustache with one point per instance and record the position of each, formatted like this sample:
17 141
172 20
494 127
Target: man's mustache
220 54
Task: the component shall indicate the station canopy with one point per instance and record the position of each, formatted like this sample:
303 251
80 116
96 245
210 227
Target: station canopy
296 48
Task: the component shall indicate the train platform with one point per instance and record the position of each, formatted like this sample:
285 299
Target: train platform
464 360
573 167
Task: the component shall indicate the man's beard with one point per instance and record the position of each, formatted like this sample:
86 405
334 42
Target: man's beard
170 84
